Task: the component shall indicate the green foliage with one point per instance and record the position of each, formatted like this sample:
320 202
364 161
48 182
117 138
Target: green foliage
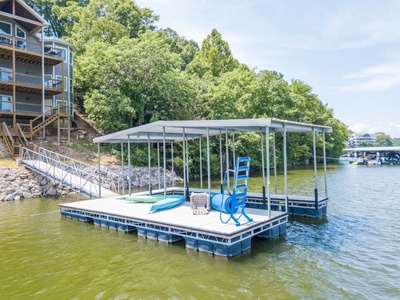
383 140
181 46
103 20
396 142
214 57
365 144
47 9
132 82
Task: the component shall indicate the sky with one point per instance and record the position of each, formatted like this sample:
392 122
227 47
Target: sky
347 51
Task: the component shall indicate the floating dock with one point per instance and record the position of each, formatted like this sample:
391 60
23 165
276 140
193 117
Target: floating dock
267 213
203 233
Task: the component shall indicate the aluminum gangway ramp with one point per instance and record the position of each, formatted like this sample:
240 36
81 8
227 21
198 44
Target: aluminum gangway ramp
69 172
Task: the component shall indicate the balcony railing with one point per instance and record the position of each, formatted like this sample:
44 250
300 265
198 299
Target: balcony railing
30 51
31 82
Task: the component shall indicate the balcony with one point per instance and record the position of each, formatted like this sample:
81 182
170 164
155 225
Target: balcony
29 52
30 84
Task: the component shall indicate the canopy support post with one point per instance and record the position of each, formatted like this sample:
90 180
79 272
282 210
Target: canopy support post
201 166
275 171
315 170
99 169
227 159
220 161
263 168
149 162
285 167
324 150
122 169
129 166
208 162
268 170
172 164
164 164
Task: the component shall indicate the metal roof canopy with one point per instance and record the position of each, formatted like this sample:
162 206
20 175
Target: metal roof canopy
195 129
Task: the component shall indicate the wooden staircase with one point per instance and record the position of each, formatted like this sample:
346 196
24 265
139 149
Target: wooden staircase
16 138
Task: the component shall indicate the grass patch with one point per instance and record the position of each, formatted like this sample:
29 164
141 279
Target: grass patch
7 162
82 145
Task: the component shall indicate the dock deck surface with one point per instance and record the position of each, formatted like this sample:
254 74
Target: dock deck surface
179 217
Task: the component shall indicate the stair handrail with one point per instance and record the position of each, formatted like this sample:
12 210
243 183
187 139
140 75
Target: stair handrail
52 109
8 139
44 123
22 137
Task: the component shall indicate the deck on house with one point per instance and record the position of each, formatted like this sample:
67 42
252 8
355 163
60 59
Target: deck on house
204 233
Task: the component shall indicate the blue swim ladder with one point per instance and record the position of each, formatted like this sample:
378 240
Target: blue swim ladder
231 202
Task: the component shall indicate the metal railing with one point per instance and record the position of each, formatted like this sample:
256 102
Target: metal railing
76 175
31 80
25 46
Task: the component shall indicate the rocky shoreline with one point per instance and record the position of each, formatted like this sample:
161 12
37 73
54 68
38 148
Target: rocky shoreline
18 183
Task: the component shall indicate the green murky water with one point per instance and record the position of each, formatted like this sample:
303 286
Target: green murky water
350 254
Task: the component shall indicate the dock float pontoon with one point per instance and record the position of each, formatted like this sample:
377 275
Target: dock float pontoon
203 233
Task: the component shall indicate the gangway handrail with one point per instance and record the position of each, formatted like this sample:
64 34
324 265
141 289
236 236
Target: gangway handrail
38 157
86 173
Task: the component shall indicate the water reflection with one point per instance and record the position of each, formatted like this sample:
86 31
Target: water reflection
350 254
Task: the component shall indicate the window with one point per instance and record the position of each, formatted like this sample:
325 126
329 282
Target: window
62 53
5 103
5 28
71 58
59 83
48 80
71 86
5 74
48 104
62 105
20 34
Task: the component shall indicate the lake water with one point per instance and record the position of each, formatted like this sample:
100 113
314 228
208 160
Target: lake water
353 253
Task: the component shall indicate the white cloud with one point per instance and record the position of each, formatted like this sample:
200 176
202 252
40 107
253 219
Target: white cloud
372 79
392 129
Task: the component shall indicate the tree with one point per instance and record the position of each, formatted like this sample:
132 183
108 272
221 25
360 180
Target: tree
226 96
133 82
383 140
214 57
187 49
396 141
104 20
50 11
365 144
272 97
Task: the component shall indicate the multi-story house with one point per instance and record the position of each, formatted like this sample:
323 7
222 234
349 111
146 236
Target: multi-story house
36 74
357 139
